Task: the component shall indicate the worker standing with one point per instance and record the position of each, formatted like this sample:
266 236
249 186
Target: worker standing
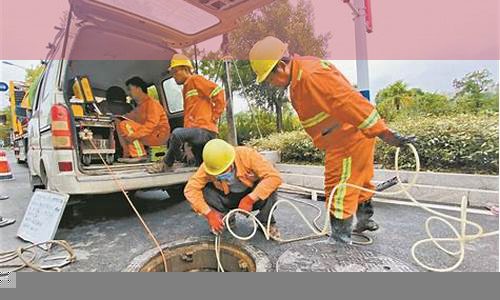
204 103
339 120
233 177
146 125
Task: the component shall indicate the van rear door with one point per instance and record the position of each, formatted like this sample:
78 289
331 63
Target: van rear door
179 23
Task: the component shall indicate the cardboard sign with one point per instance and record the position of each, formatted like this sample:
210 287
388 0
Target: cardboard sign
42 217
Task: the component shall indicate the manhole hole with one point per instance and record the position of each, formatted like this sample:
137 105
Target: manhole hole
198 255
322 257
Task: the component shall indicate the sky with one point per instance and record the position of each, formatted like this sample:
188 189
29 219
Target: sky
409 30
432 76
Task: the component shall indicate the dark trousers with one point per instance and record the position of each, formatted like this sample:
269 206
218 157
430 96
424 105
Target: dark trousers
195 137
224 203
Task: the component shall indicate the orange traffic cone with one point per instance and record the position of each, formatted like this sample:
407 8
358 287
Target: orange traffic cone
5 173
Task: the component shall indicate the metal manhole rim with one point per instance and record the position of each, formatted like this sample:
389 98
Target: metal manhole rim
282 264
262 261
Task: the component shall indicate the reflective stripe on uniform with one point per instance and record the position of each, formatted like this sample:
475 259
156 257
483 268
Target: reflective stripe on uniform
215 92
311 122
326 64
369 122
136 143
137 146
192 93
299 75
341 190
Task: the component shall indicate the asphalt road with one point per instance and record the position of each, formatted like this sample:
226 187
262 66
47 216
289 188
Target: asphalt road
107 236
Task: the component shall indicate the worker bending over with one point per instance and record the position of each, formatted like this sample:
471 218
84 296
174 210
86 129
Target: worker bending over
339 120
146 125
233 177
204 103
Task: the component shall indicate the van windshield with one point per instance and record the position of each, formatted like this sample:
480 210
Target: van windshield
176 14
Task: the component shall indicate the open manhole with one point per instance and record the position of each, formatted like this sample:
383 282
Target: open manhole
198 255
323 257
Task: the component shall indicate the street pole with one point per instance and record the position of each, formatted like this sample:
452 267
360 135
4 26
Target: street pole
232 135
361 48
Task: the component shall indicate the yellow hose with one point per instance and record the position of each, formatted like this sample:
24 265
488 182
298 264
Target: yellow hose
461 237
17 259
121 186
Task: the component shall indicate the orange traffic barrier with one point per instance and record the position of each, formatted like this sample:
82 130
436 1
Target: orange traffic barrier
5 173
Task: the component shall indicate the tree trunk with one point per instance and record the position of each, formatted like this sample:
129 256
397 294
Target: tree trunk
232 135
279 116
398 103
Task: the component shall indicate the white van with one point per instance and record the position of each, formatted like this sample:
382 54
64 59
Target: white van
105 28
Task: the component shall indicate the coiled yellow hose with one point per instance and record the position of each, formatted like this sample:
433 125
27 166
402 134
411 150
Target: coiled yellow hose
460 237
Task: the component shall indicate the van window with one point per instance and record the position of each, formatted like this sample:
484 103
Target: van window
35 91
48 92
173 94
50 80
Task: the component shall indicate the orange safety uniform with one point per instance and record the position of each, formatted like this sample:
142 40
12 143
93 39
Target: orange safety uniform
252 169
204 103
342 122
147 125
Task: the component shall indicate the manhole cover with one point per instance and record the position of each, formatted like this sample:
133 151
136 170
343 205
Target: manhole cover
322 257
198 255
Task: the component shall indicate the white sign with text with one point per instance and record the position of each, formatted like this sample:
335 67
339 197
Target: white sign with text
42 217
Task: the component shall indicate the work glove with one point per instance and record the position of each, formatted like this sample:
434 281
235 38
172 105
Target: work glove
246 204
214 219
395 139
188 154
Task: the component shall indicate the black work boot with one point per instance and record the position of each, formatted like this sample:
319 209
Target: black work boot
341 231
364 218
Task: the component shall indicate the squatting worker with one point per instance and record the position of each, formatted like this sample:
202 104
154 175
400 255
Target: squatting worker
233 177
204 103
146 125
339 120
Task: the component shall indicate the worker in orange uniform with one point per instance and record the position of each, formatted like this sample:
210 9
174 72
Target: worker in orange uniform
233 177
339 120
204 103
146 125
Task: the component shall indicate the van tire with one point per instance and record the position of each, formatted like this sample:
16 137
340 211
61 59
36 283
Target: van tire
43 177
36 183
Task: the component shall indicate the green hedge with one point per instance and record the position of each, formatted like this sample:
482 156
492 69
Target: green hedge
461 143
246 125
295 147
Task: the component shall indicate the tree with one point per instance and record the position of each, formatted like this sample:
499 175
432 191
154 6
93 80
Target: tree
292 24
397 94
397 100
472 90
394 98
5 127
32 74
431 104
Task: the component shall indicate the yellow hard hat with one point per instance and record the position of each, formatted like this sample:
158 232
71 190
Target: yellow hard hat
180 60
265 55
218 156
